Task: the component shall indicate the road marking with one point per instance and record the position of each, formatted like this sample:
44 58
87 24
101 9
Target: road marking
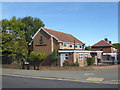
89 74
95 79
64 79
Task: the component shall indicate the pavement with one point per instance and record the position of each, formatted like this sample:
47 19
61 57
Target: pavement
96 76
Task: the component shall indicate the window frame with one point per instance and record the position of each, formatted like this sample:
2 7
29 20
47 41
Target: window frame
66 56
86 55
64 45
80 56
70 46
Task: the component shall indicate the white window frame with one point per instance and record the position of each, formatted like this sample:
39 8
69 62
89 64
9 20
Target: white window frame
64 45
76 46
86 55
66 56
80 56
80 46
71 45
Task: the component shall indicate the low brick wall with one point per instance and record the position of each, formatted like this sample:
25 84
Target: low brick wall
64 68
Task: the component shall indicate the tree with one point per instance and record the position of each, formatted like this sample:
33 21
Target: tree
88 48
17 33
116 45
32 25
32 58
13 40
54 57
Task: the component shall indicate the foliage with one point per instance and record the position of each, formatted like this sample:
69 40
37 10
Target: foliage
54 56
13 40
90 61
16 34
31 27
67 63
88 48
116 45
32 56
41 56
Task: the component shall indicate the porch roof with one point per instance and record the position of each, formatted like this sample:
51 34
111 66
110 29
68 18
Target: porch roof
79 51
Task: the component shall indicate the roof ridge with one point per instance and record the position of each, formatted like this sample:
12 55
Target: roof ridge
56 31
103 41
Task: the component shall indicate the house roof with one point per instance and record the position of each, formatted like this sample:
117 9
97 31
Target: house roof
102 43
65 37
60 36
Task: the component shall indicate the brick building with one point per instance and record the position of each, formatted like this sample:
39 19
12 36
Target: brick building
109 52
69 48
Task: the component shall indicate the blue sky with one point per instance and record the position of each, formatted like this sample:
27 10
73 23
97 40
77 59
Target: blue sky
90 22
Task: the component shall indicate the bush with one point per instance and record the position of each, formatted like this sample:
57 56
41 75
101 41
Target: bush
90 60
67 63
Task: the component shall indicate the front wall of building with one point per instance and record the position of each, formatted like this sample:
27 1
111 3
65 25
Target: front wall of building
82 61
46 49
105 49
56 45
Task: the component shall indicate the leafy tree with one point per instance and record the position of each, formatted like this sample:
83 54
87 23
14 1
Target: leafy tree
32 25
32 58
88 48
116 45
13 40
16 35
54 57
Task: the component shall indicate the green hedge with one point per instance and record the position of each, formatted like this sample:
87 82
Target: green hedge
73 64
90 61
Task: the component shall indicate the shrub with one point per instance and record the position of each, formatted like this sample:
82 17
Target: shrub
67 63
90 60
41 56
54 58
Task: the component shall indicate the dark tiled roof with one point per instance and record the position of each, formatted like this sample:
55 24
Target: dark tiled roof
102 43
63 36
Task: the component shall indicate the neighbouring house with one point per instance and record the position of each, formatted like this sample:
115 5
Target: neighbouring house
69 48
109 54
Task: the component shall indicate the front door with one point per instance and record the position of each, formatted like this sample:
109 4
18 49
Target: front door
62 59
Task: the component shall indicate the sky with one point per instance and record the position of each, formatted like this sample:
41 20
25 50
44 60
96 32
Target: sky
89 22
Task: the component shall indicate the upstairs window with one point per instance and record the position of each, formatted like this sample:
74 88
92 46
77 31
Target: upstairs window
65 44
76 46
70 46
80 46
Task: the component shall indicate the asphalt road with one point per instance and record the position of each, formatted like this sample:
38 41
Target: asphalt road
23 82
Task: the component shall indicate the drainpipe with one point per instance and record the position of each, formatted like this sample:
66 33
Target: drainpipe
74 44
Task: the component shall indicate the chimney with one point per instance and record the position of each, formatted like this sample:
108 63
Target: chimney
110 42
106 39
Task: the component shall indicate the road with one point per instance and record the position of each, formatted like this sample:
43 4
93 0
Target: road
24 82
103 76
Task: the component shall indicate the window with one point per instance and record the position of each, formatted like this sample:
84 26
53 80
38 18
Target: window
70 46
66 56
80 46
101 49
65 44
80 56
76 46
98 55
86 55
